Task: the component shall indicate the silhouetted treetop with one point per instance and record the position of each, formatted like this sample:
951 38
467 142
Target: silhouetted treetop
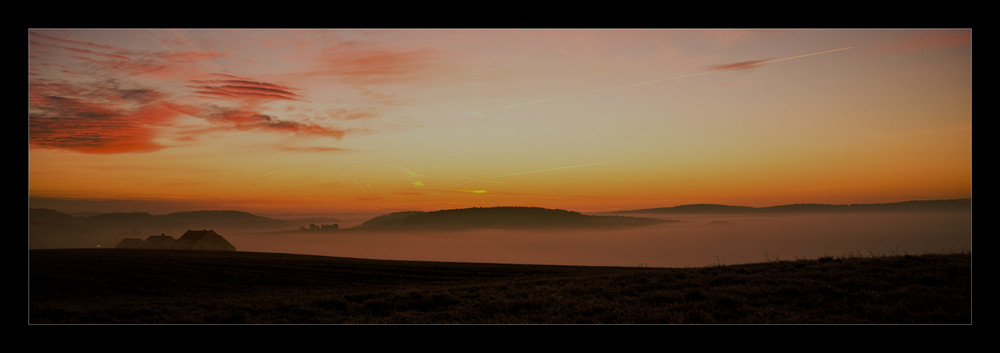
957 205
498 217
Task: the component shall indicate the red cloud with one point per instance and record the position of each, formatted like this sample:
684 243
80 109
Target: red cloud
354 63
313 149
119 123
244 120
236 88
353 114
106 118
188 56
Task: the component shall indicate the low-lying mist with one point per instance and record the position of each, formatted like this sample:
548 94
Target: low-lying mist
692 241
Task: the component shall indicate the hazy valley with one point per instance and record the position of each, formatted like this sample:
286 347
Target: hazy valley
693 235
892 265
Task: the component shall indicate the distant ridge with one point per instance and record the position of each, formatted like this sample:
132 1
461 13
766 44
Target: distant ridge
499 218
54 229
192 219
951 205
172 219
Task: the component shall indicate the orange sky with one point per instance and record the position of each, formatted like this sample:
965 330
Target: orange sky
277 121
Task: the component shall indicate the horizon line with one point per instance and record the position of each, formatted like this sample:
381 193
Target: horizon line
470 207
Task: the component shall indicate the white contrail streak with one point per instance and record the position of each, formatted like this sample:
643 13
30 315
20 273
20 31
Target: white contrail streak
804 55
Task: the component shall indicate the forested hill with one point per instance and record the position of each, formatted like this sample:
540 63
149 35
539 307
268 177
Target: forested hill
499 218
54 229
192 219
954 205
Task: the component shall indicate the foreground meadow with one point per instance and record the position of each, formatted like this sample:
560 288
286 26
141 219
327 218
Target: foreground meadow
95 286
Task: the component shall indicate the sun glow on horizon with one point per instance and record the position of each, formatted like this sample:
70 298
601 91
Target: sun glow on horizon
589 120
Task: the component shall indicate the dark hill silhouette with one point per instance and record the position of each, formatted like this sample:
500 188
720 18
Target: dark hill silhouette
388 220
954 205
224 216
189 219
40 214
697 209
122 217
498 218
205 239
55 229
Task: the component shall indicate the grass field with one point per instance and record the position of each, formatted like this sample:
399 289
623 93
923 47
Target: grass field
117 286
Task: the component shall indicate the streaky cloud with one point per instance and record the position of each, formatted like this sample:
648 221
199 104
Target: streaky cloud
242 88
75 42
363 65
743 65
248 119
314 149
100 119
715 68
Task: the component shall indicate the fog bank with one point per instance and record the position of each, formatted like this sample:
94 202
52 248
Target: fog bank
693 241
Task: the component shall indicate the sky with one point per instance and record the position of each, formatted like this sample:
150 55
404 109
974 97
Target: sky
591 120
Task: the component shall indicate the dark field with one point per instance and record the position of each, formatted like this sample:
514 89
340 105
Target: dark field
94 286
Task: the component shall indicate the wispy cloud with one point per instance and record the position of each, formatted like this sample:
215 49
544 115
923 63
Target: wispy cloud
362 64
78 47
75 42
313 149
245 120
109 117
743 65
228 86
351 114
752 64
89 113
94 98
94 119
104 60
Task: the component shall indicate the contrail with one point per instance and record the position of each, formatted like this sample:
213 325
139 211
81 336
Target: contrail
269 173
736 66
805 55
756 63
